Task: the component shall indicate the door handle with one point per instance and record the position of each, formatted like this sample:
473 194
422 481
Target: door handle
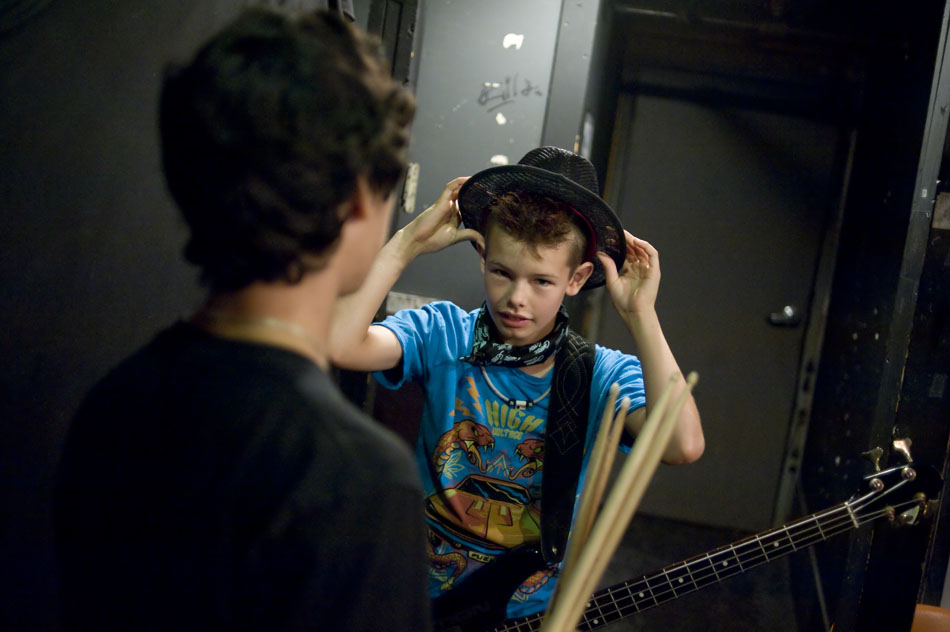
790 316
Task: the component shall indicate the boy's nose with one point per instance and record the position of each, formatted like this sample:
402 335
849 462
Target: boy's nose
516 295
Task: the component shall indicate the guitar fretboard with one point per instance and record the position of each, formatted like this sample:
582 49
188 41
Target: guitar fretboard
622 600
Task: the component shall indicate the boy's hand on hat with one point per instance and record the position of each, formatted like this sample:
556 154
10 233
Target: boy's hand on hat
633 289
437 227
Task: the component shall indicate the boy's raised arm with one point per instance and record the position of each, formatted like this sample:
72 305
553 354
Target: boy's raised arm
633 291
354 343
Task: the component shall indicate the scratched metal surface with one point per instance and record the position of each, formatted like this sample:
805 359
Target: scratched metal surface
481 93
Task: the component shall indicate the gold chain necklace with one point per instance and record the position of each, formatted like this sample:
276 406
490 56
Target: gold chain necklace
297 331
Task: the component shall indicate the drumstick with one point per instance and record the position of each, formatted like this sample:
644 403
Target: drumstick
588 505
610 452
557 610
570 585
618 510
594 466
598 468
620 507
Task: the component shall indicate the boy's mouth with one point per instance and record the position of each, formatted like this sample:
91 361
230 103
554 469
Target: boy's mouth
513 320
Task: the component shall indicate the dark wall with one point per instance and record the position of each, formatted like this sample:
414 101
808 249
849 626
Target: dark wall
90 247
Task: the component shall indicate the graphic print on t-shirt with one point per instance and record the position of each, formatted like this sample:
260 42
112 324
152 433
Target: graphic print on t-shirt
468 436
489 466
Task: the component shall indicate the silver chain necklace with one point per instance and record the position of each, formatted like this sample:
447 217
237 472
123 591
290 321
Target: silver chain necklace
520 404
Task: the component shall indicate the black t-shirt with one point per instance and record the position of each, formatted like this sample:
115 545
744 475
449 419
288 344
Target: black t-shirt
210 484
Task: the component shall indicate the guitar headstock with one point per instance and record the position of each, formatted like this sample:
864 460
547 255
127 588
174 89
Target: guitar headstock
905 491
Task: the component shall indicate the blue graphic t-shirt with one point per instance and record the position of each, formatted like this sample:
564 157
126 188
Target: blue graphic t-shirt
481 462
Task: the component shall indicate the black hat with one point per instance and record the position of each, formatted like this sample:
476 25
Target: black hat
555 173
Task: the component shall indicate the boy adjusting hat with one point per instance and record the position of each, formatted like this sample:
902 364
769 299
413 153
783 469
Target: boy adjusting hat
556 173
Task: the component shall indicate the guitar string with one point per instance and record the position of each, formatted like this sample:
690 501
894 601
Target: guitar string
632 608
647 592
816 519
839 524
657 597
641 593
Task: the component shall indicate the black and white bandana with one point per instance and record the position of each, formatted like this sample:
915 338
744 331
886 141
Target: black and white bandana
485 351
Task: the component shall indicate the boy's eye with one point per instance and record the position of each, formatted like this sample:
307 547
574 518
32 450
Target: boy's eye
500 272
544 282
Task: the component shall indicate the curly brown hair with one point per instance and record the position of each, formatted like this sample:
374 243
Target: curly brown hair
264 134
538 220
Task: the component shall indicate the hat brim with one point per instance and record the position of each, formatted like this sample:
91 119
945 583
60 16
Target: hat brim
479 191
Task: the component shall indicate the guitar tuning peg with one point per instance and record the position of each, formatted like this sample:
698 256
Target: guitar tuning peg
874 456
903 446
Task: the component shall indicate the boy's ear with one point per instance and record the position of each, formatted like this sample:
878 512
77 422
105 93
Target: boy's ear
480 247
356 206
360 202
579 278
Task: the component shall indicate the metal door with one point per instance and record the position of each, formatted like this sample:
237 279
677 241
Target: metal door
736 201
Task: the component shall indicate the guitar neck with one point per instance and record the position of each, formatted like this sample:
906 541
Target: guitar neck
636 595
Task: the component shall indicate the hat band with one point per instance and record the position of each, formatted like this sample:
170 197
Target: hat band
591 237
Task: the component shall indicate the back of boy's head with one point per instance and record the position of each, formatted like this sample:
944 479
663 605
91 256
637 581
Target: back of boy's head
264 134
537 220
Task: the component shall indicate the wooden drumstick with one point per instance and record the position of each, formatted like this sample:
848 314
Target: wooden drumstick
618 510
608 462
598 469
571 588
620 507
558 610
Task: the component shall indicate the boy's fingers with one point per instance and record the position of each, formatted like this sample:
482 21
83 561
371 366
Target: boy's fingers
453 187
646 246
610 268
450 192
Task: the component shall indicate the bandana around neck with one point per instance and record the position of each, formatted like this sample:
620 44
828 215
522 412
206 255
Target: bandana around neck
485 351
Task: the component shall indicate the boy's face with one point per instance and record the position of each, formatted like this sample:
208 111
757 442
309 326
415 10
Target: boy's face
525 287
